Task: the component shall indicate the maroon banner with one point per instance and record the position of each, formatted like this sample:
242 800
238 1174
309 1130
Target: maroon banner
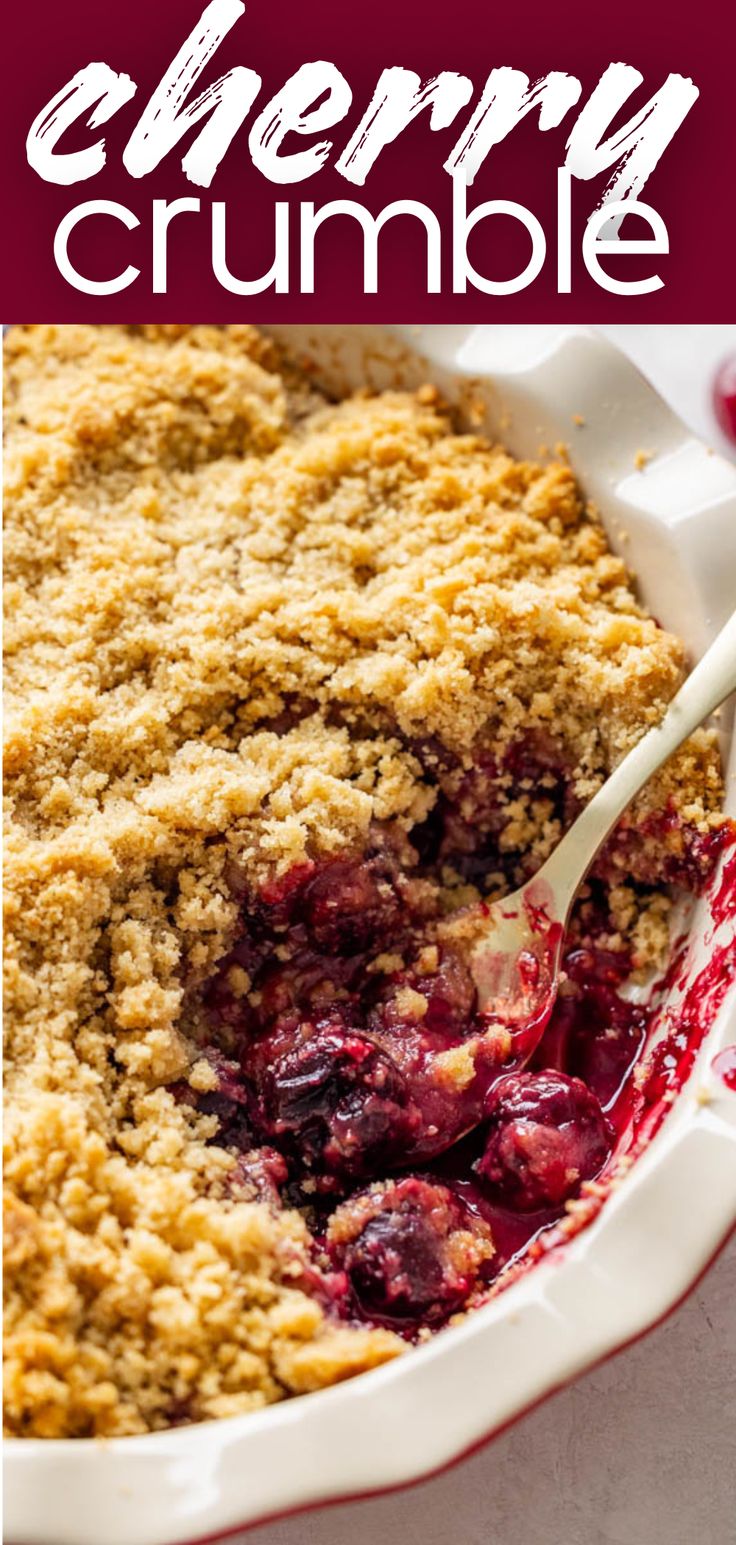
432 163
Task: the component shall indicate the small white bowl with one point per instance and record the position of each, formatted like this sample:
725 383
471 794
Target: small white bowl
673 514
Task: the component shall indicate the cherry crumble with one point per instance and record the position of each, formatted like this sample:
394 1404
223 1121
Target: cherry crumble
289 682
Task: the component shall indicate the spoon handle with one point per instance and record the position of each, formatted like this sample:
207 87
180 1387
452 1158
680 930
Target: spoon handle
712 680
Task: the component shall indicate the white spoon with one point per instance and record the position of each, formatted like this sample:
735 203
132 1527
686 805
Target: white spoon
513 946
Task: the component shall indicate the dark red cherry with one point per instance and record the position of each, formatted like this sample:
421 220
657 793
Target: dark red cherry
411 1250
338 1102
449 994
546 1134
350 907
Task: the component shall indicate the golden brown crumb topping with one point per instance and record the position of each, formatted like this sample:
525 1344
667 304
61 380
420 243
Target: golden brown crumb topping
197 541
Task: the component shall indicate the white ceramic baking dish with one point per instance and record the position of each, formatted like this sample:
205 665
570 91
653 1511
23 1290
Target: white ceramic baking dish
675 519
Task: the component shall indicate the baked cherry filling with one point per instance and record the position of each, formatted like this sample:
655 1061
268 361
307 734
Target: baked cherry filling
411 1250
339 1105
348 1053
349 1070
594 1033
546 1134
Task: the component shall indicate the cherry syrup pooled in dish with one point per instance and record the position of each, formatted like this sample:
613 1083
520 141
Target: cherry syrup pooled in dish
430 1150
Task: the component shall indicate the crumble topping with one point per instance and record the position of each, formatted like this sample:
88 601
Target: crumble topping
248 628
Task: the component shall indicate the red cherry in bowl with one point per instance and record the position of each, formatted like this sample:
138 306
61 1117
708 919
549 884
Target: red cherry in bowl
547 1133
411 1249
724 396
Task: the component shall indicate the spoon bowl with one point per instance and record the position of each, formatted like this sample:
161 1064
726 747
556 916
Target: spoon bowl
513 947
